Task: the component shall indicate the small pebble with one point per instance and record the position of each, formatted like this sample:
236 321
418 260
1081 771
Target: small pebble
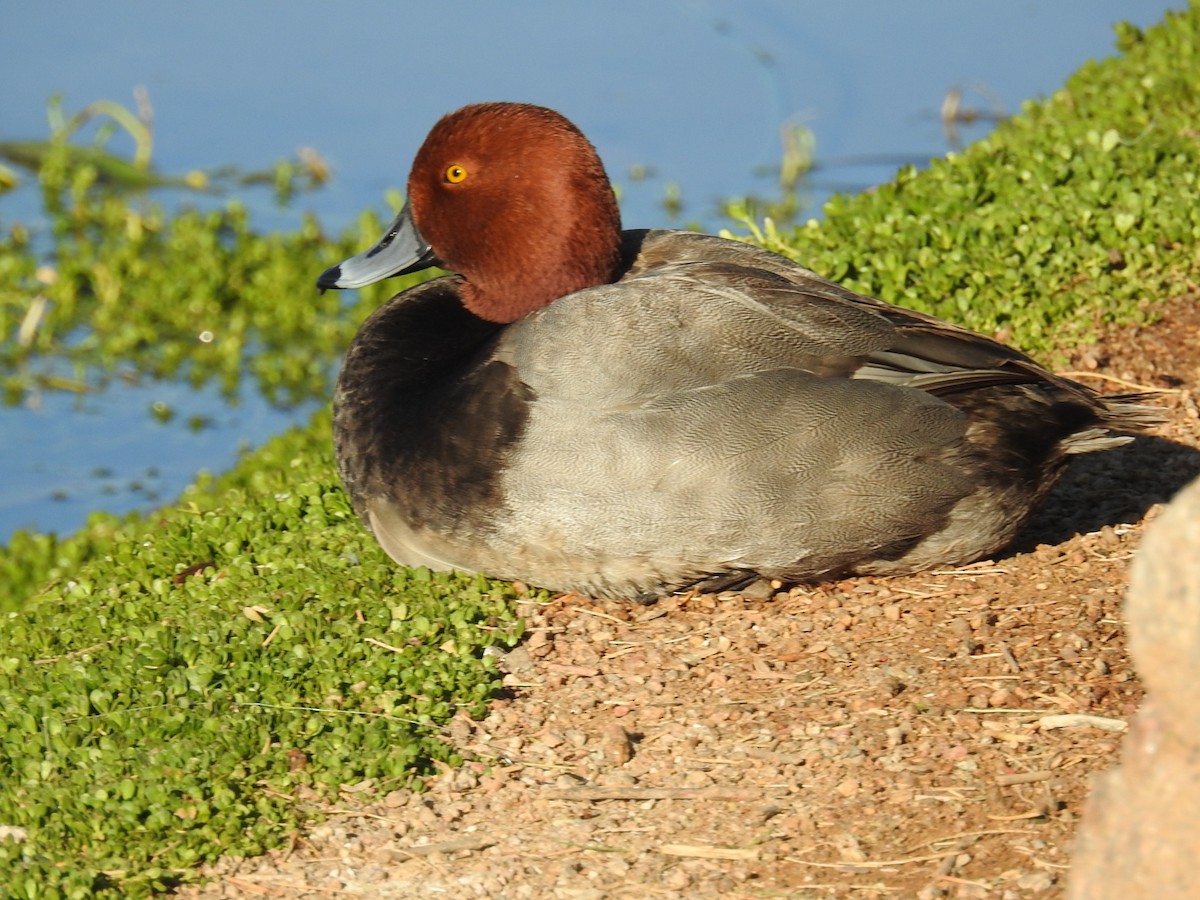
615 745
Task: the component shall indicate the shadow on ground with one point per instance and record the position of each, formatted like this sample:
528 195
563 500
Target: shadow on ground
1111 488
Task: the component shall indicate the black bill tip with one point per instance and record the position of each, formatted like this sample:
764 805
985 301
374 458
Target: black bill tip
329 279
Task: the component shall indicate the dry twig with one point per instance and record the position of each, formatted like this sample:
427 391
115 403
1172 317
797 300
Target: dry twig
699 852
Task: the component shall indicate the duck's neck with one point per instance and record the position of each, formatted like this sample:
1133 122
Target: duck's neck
562 262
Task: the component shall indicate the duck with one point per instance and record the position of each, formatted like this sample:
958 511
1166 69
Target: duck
633 413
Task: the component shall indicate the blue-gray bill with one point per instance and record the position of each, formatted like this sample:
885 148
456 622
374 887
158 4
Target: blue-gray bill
401 250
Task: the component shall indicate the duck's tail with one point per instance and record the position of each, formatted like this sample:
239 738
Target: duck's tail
1127 414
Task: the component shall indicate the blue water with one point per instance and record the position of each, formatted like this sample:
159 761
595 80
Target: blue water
695 91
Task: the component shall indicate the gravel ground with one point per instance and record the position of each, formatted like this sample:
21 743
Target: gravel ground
923 736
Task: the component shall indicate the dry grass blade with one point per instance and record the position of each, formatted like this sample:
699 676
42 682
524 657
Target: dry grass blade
873 864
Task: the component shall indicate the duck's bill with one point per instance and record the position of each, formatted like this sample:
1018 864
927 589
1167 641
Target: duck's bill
399 251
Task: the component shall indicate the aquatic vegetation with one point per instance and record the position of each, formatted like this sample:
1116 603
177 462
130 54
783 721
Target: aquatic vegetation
113 283
50 158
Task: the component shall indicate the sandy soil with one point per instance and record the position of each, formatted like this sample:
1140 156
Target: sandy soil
923 736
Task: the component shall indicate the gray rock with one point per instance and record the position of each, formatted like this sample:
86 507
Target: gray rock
1163 609
1141 827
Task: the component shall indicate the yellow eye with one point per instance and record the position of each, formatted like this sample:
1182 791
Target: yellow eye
456 174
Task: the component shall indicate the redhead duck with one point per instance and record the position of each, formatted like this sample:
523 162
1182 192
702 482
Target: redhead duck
628 413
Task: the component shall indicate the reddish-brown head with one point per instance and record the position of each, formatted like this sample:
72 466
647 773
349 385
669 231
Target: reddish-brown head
515 199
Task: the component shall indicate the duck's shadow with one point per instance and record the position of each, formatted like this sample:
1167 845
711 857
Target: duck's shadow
1110 488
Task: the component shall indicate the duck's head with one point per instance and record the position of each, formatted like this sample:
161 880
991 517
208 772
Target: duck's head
512 197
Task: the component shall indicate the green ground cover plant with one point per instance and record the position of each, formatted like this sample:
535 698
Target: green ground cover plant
1079 211
195 682
216 669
